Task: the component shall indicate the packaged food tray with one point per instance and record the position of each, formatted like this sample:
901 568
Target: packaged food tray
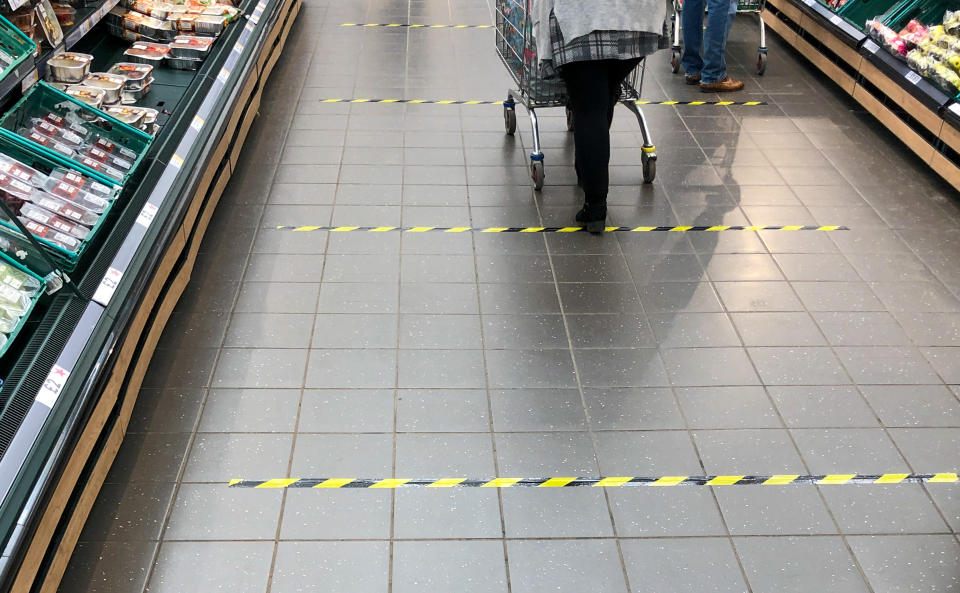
24 151
43 99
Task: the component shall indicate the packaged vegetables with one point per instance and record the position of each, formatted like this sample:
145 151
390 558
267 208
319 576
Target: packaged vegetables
17 289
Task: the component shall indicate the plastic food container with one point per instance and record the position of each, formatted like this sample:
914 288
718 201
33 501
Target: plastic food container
210 25
81 181
186 23
17 170
184 63
65 14
47 218
69 67
132 116
143 52
23 19
111 84
157 10
76 195
46 141
137 75
66 210
148 26
191 47
61 240
88 95
48 22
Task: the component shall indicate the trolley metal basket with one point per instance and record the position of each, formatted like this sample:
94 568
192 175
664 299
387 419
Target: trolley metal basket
518 51
743 7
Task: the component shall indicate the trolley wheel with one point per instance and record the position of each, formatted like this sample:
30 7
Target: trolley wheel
536 173
569 119
675 62
761 63
509 120
649 167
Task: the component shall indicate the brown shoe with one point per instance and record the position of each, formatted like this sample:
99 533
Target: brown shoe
726 85
693 79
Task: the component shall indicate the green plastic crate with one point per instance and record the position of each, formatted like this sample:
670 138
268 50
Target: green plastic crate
42 99
858 12
928 12
27 153
14 43
33 301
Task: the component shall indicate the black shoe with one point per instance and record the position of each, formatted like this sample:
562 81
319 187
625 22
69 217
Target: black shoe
593 218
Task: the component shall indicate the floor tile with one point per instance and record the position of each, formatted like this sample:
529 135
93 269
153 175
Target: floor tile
419 566
343 456
349 369
822 406
518 332
565 564
877 365
798 366
683 564
709 366
108 567
354 331
777 329
128 512
757 296
656 512
347 566
796 564
769 511
447 514
914 405
336 514
747 451
428 455
632 408
566 512
239 566
921 562
346 410
250 410
848 450
212 512
545 454
727 407
260 368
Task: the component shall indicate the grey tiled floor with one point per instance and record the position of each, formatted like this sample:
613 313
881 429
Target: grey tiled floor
377 355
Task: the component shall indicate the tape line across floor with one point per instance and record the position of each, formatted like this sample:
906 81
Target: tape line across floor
606 482
479 102
568 229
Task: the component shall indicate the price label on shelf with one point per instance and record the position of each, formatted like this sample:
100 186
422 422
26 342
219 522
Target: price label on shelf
913 77
147 214
810 3
955 108
871 46
108 286
223 76
836 20
15 4
51 388
197 123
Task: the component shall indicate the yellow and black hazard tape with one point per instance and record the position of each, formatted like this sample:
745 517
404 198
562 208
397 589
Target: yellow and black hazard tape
416 26
610 482
554 229
480 102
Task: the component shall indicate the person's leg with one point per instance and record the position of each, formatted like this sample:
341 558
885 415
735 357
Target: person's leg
714 42
619 70
588 91
732 14
692 28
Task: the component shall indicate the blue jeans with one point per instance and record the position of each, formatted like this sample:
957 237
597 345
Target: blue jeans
712 65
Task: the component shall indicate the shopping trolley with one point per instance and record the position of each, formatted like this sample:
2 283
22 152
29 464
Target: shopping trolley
743 7
518 51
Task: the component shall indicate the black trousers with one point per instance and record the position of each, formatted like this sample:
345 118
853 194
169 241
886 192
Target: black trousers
593 89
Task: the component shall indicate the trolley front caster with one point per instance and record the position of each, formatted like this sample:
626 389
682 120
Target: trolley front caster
509 116
675 61
762 61
649 161
536 171
569 119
